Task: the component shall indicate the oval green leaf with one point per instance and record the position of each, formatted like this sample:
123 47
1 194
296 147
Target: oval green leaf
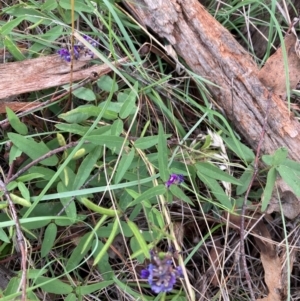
49 238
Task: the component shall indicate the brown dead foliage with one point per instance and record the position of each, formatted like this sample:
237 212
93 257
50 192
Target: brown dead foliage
274 260
273 74
211 52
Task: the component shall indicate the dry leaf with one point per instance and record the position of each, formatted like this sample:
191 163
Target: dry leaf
289 204
274 265
215 261
272 75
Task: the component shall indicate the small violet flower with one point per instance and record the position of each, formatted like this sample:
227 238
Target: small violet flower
161 274
64 54
174 179
90 40
78 50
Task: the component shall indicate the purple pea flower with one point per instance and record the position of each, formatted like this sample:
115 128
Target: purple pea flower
90 40
174 179
78 50
161 274
64 54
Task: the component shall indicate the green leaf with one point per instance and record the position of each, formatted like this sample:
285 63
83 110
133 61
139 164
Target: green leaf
70 209
106 83
26 12
42 43
78 254
34 273
177 192
103 265
72 128
135 247
206 143
271 177
148 194
146 142
84 93
14 154
81 113
291 164
245 180
240 149
86 167
216 190
112 142
216 173
70 297
129 106
134 293
290 177
3 236
24 190
12 287
49 239
113 107
162 154
81 130
116 128
30 177
79 6
32 149
158 220
67 177
49 5
53 286
124 164
88 289
13 49
140 239
15 122
8 26
267 159
108 242
279 156
46 172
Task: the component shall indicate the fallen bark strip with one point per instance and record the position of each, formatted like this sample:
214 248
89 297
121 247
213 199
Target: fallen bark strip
44 72
212 52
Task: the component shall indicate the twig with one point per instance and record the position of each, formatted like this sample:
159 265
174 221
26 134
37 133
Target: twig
242 225
20 239
36 161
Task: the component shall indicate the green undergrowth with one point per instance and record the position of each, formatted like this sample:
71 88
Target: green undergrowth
93 208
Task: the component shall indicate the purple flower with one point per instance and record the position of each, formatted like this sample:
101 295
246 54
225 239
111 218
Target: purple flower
174 179
90 40
78 50
161 274
64 54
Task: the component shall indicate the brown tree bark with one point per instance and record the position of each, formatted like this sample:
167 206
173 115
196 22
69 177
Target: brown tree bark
44 72
213 53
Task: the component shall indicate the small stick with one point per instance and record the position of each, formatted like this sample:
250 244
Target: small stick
36 161
242 225
20 239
